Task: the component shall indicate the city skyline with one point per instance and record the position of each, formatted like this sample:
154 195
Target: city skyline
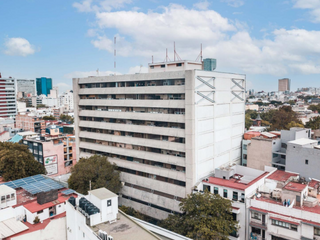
266 41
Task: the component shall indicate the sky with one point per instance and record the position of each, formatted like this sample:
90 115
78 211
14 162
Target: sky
62 39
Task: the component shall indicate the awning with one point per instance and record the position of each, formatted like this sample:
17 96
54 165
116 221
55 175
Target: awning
10 227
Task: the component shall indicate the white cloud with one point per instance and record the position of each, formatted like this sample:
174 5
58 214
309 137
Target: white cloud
202 5
18 47
312 5
138 69
95 5
234 3
148 34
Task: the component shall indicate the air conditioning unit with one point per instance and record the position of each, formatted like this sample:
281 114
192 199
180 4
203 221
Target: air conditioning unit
110 238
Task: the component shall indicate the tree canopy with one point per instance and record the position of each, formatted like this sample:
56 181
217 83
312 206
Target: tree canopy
48 117
66 118
205 216
314 108
284 118
97 169
314 123
17 162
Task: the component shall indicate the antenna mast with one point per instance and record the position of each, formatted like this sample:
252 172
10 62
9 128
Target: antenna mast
200 54
176 55
115 55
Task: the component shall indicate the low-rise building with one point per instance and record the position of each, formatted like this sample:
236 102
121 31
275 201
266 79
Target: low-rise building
30 122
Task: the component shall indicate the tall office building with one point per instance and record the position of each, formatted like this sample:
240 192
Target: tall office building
166 129
27 87
284 85
8 105
44 85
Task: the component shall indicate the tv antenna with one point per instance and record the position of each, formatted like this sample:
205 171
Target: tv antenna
175 54
115 55
200 55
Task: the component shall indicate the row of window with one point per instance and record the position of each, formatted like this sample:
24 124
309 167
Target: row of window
134 134
134 109
137 160
152 176
153 191
7 198
135 147
149 204
292 227
134 96
135 122
235 194
145 83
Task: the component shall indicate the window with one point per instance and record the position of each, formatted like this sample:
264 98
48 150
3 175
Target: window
244 156
12 196
109 203
163 66
179 64
245 147
3 199
216 190
317 231
256 215
306 162
292 227
206 187
235 196
225 193
152 67
84 235
41 211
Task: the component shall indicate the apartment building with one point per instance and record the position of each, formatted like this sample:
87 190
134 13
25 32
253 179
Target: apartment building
30 122
166 129
8 107
26 87
284 85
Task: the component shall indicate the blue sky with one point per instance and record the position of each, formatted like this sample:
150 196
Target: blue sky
266 40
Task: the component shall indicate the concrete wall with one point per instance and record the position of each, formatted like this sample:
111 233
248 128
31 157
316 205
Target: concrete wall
256 158
296 161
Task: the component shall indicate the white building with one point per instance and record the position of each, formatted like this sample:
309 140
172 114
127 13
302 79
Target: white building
166 130
8 107
66 99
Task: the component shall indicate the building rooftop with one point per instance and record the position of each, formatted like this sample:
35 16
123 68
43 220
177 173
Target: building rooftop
125 228
296 187
314 183
11 227
282 176
303 141
4 190
34 206
103 193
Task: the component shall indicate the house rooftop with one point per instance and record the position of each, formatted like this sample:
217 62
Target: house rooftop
282 176
296 187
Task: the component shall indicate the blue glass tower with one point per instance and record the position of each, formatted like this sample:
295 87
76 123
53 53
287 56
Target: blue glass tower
44 85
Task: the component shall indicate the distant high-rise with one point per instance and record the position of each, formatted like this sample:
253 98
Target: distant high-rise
8 107
26 86
44 85
284 85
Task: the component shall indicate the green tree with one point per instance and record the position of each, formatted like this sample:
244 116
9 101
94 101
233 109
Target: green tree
96 169
294 124
314 108
17 162
283 118
205 216
49 117
314 123
66 118
41 106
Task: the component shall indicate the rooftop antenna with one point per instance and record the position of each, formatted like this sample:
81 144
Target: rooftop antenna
167 59
98 72
115 55
152 59
200 54
140 68
176 55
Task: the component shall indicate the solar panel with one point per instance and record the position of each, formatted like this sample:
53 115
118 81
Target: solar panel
42 186
68 192
23 181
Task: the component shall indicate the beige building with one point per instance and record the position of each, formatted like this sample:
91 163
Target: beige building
166 129
284 85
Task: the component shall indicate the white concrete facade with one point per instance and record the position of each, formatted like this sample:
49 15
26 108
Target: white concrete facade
165 130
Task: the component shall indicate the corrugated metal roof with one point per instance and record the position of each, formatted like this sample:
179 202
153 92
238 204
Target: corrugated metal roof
10 227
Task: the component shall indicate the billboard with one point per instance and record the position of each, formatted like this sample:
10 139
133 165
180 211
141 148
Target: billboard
51 164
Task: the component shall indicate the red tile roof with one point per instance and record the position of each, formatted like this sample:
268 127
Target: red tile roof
281 176
234 183
296 187
313 183
35 207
